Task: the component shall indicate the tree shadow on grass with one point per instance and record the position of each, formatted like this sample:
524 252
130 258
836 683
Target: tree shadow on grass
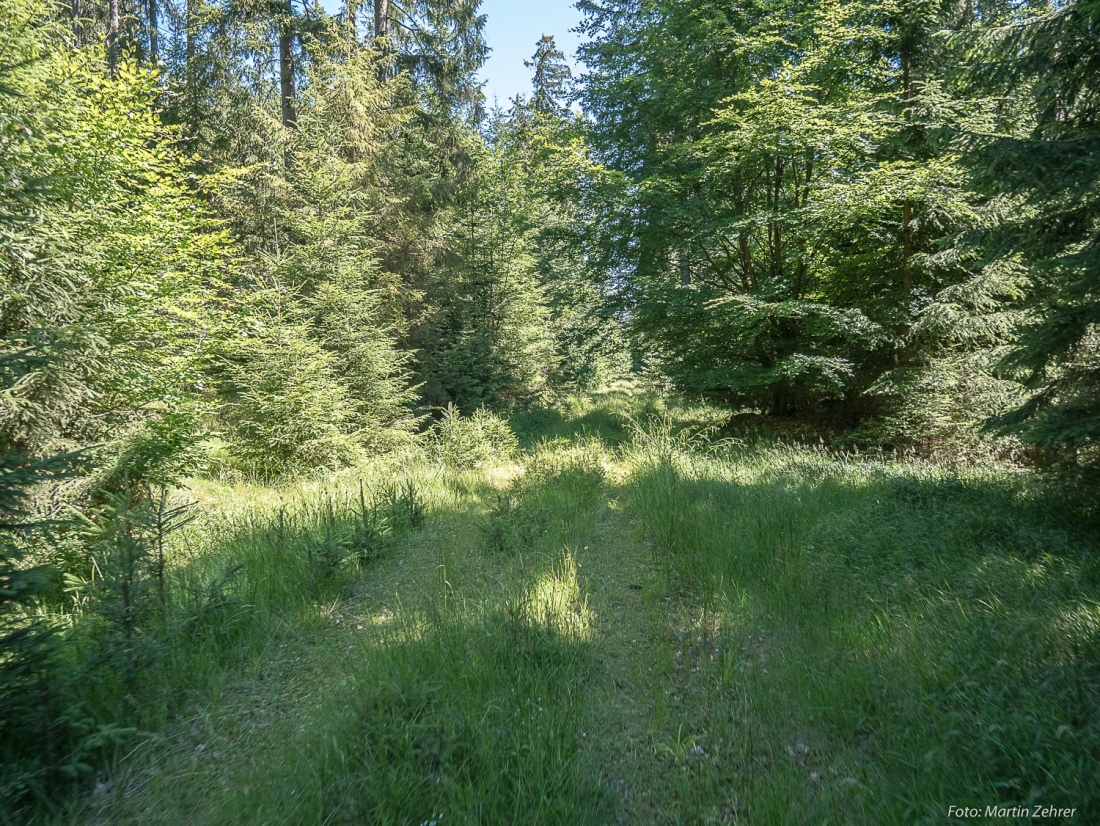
533 426
463 702
465 719
906 636
452 711
611 417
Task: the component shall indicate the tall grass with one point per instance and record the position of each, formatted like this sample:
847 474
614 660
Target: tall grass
631 619
457 699
883 640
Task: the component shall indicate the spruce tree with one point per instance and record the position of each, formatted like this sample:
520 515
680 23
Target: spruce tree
112 265
32 744
552 79
1050 175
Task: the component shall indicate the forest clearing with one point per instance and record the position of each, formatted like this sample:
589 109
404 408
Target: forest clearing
709 432
627 620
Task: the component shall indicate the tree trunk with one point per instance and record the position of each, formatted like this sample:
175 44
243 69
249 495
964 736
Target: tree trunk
782 403
904 355
744 254
685 270
112 37
381 34
154 45
907 247
907 205
78 30
286 72
190 100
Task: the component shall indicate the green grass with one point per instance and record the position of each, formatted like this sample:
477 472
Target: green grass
877 641
631 622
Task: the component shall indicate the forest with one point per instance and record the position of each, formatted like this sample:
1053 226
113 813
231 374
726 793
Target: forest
709 435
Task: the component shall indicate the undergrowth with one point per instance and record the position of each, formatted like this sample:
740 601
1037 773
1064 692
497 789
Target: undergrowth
621 617
878 640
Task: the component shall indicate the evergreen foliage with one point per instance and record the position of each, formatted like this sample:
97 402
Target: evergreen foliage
473 441
567 192
114 269
32 741
319 376
1048 171
494 322
552 79
291 409
437 44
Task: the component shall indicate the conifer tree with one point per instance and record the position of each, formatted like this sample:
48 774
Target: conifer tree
439 45
552 79
32 744
492 330
319 377
1051 177
562 189
111 265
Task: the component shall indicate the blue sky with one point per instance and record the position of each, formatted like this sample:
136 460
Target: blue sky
513 29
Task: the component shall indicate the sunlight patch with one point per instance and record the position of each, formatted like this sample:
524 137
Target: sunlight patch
501 477
556 601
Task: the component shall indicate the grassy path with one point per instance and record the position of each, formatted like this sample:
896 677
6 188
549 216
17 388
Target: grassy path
639 630
648 712
630 631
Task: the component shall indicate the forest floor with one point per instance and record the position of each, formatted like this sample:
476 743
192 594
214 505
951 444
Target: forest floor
633 621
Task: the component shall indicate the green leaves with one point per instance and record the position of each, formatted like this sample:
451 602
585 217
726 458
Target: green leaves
1047 170
793 170
111 266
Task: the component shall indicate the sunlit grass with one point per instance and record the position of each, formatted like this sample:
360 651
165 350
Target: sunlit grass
556 602
635 620
897 629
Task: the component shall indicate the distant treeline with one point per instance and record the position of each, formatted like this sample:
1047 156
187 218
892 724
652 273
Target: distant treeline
270 238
